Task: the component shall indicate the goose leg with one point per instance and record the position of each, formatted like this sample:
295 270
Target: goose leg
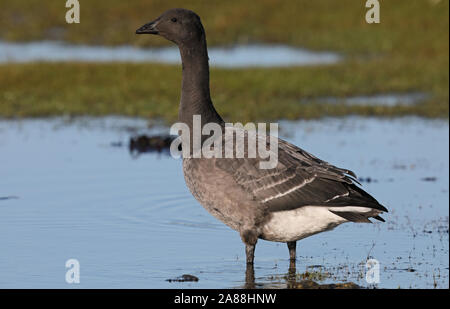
249 238
249 277
250 253
250 271
292 246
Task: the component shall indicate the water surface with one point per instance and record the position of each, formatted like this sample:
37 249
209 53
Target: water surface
382 99
234 56
68 191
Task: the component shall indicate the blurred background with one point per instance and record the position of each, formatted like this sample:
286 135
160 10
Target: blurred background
373 98
406 53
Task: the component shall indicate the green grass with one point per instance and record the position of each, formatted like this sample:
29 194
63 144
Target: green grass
414 26
150 90
407 51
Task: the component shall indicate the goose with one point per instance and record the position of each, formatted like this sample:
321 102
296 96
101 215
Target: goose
299 197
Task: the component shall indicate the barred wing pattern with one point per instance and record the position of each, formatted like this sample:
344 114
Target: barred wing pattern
299 179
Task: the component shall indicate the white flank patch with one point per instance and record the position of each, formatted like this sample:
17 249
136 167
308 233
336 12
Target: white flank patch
305 221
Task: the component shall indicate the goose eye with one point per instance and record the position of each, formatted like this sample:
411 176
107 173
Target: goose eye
174 20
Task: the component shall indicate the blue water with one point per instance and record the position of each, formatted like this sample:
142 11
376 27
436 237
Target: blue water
384 99
66 192
233 56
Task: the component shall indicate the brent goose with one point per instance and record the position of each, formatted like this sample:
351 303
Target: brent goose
301 196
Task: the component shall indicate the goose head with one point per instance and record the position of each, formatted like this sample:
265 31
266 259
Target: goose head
177 25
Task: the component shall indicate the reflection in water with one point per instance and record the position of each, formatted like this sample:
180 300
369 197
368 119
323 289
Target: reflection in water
293 280
249 277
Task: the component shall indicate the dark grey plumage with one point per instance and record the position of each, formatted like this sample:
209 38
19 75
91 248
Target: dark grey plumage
317 182
301 196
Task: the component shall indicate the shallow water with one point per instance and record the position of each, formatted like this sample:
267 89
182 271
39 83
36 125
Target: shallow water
384 99
67 192
235 56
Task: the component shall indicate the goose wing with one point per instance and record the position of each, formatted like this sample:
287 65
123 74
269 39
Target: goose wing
299 179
